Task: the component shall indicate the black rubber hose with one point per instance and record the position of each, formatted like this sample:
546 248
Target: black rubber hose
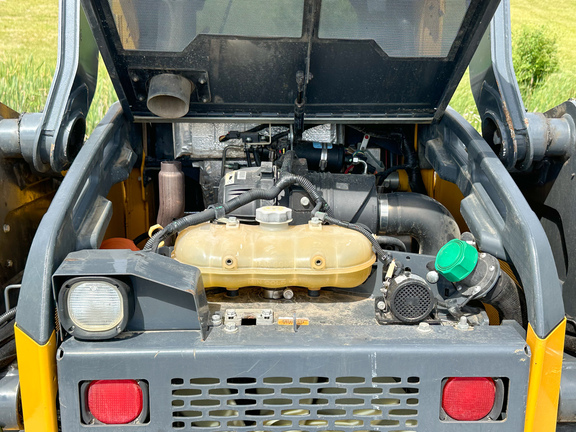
384 256
413 168
508 299
391 241
391 170
420 217
210 213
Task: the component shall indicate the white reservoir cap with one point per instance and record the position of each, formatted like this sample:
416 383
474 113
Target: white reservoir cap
274 215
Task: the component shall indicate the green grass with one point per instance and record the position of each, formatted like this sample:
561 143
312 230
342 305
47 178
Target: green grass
557 16
28 41
28 53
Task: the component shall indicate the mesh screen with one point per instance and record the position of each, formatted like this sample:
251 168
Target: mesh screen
170 25
312 403
407 28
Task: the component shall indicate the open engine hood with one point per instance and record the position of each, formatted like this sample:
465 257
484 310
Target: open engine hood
364 60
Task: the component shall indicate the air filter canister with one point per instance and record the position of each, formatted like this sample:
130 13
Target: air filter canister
410 298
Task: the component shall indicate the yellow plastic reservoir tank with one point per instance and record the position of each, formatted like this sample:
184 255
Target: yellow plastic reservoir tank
275 254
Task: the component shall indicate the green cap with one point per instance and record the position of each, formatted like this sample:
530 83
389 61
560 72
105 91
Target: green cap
456 260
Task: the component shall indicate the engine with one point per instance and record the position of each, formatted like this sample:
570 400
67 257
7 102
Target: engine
291 228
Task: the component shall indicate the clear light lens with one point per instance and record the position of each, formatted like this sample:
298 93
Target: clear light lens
95 305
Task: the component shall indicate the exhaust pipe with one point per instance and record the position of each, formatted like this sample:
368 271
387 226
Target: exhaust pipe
169 95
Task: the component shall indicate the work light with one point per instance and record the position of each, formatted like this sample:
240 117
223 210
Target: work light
94 307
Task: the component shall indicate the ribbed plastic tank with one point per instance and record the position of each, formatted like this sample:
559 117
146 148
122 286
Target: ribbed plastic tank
274 254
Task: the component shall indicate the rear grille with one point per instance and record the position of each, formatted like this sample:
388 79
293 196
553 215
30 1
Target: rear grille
314 403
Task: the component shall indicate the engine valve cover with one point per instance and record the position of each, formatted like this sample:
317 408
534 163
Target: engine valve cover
275 255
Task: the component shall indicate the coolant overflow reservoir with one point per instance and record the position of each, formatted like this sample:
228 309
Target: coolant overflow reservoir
275 254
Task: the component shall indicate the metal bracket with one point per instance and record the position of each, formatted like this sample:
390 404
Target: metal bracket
49 141
517 137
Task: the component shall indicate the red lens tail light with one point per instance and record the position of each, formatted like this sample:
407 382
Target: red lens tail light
115 401
468 398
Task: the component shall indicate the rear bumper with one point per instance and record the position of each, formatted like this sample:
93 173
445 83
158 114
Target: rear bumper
397 371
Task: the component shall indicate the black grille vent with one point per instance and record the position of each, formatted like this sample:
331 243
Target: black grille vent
411 301
307 404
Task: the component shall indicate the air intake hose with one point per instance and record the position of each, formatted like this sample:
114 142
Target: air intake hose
418 216
508 299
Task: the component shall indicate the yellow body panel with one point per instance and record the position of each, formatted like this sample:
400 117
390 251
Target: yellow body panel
38 385
544 384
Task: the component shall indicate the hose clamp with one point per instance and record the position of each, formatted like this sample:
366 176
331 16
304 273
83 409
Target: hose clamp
323 157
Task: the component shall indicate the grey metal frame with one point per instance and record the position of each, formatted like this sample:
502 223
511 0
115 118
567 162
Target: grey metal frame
259 352
498 215
76 219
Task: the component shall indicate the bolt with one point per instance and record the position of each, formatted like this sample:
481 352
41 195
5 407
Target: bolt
459 287
205 99
381 305
463 324
304 201
6 228
432 276
9 263
424 327
266 313
216 320
135 78
202 81
491 268
231 327
230 313
482 255
288 294
141 98
232 219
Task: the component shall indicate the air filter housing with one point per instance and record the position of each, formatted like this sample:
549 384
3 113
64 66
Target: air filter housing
409 298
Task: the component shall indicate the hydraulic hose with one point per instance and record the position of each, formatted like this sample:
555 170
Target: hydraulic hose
220 210
508 299
8 315
418 216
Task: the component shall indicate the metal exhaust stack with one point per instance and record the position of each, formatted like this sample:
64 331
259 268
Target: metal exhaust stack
169 95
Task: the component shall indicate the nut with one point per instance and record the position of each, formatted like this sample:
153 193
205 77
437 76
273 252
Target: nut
216 320
231 327
424 327
463 324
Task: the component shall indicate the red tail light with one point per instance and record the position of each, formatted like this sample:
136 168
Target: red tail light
468 399
115 401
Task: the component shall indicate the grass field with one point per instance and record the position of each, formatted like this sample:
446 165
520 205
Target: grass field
28 43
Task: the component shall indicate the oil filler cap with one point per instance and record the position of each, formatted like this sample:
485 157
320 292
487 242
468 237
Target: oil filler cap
456 260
